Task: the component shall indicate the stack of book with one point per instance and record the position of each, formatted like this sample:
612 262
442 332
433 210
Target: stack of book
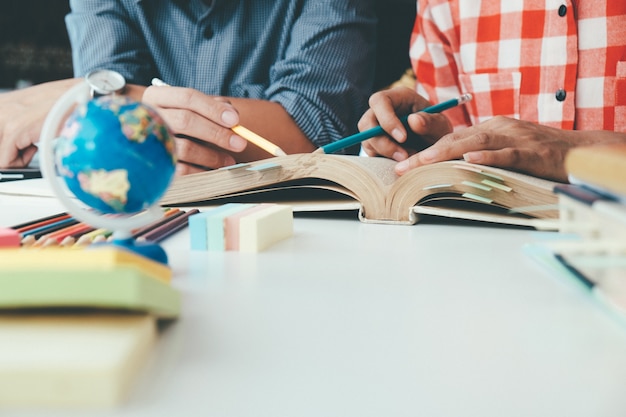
77 325
593 218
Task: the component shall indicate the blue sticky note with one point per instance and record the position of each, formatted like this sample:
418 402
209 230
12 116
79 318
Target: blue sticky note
197 231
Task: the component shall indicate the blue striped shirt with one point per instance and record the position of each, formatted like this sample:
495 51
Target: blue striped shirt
314 57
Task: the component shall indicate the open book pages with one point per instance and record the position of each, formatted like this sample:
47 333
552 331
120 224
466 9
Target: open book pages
452 189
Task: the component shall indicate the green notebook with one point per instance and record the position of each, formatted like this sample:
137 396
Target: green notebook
103 278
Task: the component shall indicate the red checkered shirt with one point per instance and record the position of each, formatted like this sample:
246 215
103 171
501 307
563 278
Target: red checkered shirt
561 63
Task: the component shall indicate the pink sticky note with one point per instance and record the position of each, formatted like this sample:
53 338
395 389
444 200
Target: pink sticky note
231 223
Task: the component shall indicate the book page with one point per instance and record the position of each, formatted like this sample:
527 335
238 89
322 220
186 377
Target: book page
354 176
485 185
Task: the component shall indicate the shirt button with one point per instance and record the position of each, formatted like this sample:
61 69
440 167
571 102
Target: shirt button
560 95
562 10
208 32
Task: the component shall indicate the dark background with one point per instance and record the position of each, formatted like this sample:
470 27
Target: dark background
34 45
33 41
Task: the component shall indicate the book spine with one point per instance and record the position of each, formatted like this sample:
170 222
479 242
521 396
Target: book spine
590 214
601 166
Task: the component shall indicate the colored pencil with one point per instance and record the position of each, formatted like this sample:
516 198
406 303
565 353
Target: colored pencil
165 230
73 238
31 236
40 222
59 235
169 215
88 238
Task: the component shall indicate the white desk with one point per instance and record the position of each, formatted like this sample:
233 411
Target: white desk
350 319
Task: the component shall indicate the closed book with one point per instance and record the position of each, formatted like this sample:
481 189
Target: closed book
602 167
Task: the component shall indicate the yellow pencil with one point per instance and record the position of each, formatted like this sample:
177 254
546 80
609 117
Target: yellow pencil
259 141
247 134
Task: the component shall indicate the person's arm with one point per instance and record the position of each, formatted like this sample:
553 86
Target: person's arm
513 144
315 94
326 74
432 56
503 142
22 114
192 114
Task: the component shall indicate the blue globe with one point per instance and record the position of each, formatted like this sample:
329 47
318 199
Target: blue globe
116 155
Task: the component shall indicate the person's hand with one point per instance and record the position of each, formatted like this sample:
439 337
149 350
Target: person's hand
507 143
201 124
385 109
22 114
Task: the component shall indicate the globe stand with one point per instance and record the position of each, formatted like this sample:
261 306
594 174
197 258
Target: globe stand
121 226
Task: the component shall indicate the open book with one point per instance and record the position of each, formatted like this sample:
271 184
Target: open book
452 189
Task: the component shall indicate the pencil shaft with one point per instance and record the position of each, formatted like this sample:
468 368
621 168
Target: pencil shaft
378 130
170 215
171 231
62 232
259 141
58 236
163 230
39 222
49 228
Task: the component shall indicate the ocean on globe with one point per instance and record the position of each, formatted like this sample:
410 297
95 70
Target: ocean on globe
116 155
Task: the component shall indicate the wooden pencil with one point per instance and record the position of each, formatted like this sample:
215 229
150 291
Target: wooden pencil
168 216
31 236
88 238
167 233
167 229
61 234
24 227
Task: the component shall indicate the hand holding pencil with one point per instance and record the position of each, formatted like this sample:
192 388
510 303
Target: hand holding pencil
394 114
398 135
206 117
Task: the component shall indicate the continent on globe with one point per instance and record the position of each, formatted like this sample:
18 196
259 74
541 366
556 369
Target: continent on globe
109 186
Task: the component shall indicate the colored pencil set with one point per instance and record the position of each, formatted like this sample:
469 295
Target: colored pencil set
62 230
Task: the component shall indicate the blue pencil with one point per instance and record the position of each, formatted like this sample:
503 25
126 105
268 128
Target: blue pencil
377 131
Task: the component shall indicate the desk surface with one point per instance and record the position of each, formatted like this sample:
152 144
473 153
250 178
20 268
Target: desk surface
352 319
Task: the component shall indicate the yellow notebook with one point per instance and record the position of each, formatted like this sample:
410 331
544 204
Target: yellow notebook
71 360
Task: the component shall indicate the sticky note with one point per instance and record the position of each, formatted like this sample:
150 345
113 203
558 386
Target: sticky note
263 228
231 224
215 224
197 231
